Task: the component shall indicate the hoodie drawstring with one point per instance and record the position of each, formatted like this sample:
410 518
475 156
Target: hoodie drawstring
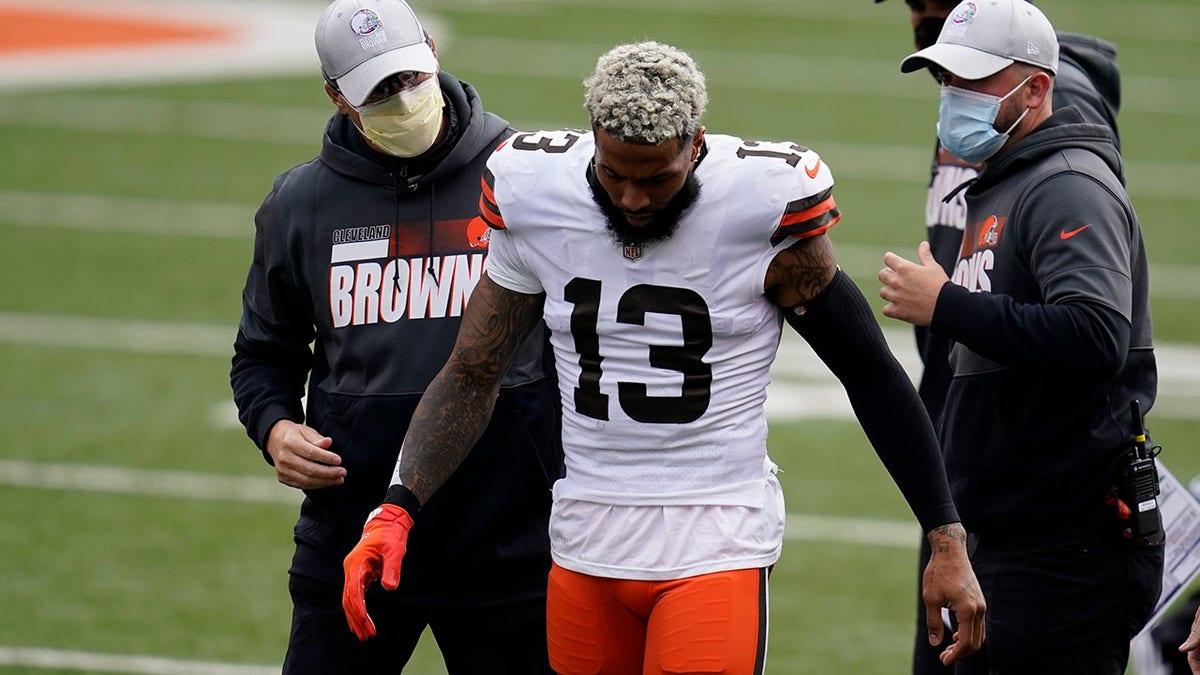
963 186
429 261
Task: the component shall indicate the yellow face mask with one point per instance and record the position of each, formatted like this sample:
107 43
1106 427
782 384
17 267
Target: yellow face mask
407 123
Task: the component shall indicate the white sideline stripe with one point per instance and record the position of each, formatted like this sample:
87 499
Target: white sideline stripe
236 221
145 482
303 125
787 72
95 662
126 335
1159 21
732 68
163 117
801 386
1178 363
127 214
235 488
846 530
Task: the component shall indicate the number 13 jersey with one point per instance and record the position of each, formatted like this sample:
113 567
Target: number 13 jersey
663 350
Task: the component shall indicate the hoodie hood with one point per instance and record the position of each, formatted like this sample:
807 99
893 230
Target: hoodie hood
1089 79
1062 130
472 130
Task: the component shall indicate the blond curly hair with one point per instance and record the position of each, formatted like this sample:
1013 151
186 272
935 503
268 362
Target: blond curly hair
646 92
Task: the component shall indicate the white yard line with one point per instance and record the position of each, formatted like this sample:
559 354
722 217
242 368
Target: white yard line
286 49
781 71
126 214
122 335
118 480
846 530
802 388
95 662
145 482
302 126
1156 21
236 221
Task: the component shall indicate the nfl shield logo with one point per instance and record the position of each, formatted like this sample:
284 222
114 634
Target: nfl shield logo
632 251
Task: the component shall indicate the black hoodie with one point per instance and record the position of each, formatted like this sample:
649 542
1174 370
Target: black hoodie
370 259
1049 314
1088 78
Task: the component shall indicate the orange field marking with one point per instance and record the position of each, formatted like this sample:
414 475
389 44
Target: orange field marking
25 31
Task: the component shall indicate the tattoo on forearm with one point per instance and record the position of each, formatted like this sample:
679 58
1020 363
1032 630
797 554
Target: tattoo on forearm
457 405
949 533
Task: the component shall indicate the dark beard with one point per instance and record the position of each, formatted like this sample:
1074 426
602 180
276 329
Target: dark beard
662 226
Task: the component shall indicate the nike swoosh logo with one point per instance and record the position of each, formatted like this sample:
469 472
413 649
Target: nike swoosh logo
812 173
1064 235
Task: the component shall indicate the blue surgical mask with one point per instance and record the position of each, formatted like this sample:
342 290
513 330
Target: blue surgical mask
966 122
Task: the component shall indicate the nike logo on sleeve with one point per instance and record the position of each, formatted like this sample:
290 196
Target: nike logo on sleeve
1064 235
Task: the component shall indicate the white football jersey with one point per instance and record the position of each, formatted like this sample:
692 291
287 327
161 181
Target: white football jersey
664 349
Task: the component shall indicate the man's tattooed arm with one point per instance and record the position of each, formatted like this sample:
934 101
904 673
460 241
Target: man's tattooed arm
799 273
457 405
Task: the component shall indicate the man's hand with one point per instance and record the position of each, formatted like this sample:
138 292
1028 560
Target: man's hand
376 556
1192 645
911 289
950 582
302 457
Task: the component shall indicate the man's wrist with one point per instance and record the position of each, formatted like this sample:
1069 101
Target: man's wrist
944 535
401 496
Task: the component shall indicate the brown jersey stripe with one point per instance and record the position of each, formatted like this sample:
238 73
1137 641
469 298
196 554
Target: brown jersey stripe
488 204
487 184
490 215
488 210
809 228
808 202
795 217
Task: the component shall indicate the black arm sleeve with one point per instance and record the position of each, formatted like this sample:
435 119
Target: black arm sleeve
839 326
1088 339
271 353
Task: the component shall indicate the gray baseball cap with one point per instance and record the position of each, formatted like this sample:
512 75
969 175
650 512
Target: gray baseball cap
363 42
982 37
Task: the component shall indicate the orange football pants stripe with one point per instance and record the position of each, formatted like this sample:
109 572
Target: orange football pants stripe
711 623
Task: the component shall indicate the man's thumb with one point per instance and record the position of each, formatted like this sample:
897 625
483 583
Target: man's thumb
926 254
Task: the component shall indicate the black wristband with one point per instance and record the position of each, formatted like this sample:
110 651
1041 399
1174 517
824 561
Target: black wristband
402 497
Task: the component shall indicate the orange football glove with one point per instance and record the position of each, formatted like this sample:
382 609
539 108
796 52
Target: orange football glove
376 556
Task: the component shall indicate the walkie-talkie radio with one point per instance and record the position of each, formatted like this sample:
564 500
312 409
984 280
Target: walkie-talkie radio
1137 486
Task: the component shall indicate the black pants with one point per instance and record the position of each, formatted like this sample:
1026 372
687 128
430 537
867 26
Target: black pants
1062 599
473 640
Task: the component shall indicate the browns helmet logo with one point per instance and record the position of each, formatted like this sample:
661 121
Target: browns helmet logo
989 234
479 235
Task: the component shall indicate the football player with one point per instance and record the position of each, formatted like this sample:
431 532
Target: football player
665 261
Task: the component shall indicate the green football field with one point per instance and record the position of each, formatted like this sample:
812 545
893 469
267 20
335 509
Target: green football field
140 530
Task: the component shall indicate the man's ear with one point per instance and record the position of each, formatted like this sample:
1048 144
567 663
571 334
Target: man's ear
1039 87
697 143
336 97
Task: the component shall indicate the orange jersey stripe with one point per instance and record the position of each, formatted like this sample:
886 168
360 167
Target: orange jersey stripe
490 215
808 228
812 213
486 182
